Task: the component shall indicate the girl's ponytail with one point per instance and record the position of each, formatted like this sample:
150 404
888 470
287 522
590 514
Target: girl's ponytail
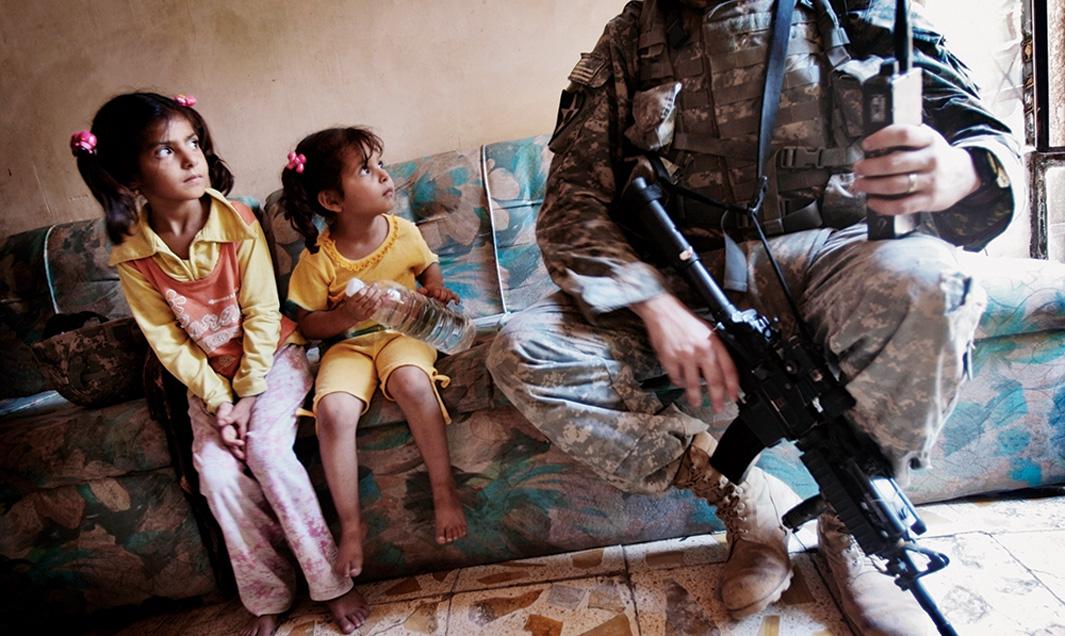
297 206
118 202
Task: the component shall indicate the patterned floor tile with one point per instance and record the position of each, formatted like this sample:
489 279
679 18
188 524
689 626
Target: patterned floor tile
416 617
433 584
685 601
984 590
667 554
192 622
598 606
942 520
1042 554
987 591
227 618
1041 511
699 550
573 565
148 627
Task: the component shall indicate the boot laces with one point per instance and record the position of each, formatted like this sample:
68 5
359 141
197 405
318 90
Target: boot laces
856 556
732 508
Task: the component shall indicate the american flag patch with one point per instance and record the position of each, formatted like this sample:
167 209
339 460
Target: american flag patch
586 70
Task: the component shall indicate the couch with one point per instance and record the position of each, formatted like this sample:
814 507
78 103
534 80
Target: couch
99 505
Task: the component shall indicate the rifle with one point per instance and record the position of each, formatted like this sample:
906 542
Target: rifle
790 393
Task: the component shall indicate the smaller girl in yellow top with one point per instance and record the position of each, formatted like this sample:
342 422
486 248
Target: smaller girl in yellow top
338 174
196 272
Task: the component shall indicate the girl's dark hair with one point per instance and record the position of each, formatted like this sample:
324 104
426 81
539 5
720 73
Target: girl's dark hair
121 127
324 152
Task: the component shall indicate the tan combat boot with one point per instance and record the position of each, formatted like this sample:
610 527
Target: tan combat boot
758 569
871 601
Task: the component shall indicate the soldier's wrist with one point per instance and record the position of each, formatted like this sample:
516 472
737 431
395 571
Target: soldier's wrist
648 309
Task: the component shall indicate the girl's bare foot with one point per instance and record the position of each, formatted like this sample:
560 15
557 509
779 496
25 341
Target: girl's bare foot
349 552
450 520
349 610
264 625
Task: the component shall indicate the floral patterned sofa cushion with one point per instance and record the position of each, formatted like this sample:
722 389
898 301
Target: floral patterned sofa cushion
1008 429
97 544
58 444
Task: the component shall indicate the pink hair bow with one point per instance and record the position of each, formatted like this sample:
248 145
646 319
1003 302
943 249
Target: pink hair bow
83 141
296 162
188 101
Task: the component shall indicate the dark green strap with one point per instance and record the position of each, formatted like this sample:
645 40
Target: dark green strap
774 80
735 260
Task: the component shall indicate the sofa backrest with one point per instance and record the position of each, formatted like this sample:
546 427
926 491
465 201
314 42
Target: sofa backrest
476 209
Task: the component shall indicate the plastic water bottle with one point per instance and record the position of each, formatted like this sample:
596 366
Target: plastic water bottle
419 316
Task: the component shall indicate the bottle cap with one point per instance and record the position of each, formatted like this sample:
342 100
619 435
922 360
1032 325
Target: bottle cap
354 285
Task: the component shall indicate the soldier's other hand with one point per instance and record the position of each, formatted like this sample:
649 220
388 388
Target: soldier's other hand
911 169
689 351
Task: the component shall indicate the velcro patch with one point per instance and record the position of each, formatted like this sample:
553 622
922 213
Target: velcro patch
569 105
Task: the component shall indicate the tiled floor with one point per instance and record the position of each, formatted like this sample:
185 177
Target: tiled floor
1007 576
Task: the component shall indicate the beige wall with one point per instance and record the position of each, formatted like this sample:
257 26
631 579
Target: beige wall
428 75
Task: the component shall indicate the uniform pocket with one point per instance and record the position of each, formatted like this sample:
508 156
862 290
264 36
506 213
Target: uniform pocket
654 114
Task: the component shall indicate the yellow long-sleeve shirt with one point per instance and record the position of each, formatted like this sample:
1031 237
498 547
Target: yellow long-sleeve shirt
260 317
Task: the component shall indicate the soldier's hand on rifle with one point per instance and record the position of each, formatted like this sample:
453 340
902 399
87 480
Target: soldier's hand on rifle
920 172
689 351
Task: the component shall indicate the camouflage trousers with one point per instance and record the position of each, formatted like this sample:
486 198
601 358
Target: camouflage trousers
898 318
266 506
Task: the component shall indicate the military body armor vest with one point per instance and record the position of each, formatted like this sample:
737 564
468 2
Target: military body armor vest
697 105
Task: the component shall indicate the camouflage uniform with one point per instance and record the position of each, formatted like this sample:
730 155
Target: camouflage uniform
897 316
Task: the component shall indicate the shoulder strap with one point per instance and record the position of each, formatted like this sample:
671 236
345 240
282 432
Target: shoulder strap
774 81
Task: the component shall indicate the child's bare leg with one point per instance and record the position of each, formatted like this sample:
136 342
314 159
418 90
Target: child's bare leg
349 610
338 418
264 625
413 391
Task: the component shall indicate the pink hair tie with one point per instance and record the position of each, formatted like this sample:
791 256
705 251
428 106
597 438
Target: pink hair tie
83 141
296 162
188 101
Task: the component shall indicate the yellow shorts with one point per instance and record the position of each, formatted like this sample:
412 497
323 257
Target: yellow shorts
358 365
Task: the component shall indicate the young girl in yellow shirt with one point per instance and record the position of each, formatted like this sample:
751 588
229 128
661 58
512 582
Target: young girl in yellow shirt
337 174
196 272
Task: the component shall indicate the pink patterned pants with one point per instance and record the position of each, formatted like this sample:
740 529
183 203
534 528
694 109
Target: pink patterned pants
266 507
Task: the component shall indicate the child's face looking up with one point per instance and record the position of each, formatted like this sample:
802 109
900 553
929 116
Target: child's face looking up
172 166
367 188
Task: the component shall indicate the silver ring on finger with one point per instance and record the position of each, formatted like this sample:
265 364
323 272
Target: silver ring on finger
913 183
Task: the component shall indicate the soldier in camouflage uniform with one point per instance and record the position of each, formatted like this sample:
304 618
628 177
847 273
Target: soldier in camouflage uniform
897 316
